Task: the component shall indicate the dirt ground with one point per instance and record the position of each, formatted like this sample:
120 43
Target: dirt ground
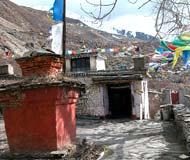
120 139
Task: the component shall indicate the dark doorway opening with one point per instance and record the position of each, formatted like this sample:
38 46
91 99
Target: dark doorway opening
120 103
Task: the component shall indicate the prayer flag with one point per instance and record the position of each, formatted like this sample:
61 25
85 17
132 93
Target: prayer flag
185 56
58 10
57 31
107 50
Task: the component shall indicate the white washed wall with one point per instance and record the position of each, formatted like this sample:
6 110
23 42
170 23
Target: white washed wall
100 64
141 101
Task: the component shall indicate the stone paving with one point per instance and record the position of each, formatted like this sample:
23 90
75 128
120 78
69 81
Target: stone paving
128 140
134 140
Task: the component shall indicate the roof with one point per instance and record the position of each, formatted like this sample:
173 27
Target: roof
116 79
105 73
82 55
39 52
14 83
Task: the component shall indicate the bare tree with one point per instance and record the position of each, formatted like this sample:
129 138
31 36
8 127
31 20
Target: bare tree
100 10
171 16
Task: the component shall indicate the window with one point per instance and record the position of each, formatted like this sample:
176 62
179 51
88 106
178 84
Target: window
80 64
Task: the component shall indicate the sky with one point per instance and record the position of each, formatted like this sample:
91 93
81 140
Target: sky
125 15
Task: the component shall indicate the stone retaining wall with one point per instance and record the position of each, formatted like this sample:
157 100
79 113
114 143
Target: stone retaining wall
90 103
156 88
182 119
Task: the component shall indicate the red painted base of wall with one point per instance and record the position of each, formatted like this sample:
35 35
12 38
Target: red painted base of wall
45 120
134 117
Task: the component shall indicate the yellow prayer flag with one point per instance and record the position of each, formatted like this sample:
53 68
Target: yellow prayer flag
178 53
103 50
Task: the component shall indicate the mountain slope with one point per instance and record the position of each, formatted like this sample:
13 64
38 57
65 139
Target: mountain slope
21 26
23 29
26 18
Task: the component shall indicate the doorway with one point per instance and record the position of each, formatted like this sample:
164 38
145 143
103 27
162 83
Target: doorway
120 102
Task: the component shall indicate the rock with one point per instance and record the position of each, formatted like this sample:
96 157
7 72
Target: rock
183 156
158 116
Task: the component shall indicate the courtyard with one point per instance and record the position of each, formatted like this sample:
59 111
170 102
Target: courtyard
125 139
134 140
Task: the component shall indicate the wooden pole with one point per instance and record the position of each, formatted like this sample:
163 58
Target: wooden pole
64 36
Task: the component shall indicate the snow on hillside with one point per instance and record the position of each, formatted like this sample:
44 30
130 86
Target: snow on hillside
120 28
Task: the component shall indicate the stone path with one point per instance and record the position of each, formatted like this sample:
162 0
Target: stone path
134 140
127 140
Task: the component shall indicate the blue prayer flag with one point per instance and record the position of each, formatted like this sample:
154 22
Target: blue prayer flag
58 10
107 50
160 50
185 56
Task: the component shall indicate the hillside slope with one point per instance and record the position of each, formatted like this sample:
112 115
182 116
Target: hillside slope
23 29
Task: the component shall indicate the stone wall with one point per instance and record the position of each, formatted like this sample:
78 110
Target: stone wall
156 88
95 101
137 96
184 94
155 100
182 119
91 102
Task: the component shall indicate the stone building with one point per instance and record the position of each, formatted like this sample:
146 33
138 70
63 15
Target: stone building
112 93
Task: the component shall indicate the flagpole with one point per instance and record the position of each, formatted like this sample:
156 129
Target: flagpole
64 36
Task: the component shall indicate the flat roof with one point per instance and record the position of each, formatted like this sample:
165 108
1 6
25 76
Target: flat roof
116 79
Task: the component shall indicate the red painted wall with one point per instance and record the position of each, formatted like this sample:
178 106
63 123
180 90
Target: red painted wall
175 97
45 120
65 125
